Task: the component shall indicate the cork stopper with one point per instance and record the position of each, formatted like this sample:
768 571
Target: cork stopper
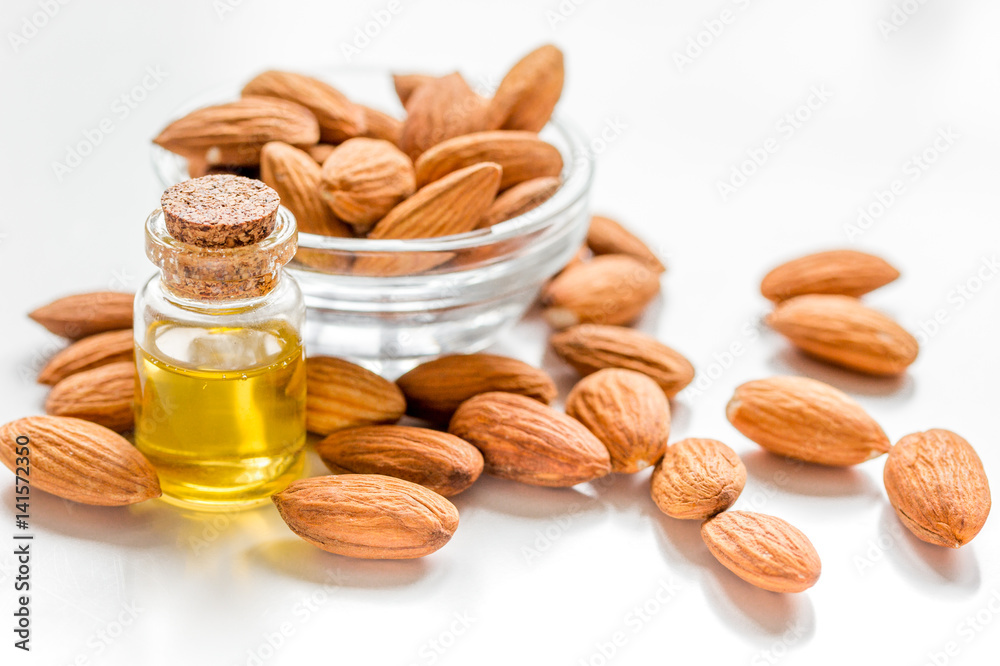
220 211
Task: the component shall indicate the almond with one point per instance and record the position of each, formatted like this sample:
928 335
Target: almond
518 200
363 179
436 460
235 133
435 389
340 395
526 96
628 412
523 440
295 176
613 289
379 125
807 420
844 272
81 315
438 110
407 84
938 487
762 550
79 461
842 331
367 516
320 152
607 236
521 155
338 118
88 353
102 395
591 347
451 205
697 479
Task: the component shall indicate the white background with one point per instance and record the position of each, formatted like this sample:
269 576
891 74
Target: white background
544 576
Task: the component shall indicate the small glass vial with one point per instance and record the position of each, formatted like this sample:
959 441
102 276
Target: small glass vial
221 389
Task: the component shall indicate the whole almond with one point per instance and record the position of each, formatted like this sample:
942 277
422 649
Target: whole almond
407 84
235 133
765 551
842 331
844 272
367 516
102 395
518 200
938 487
436 460
440 109
79 461
338 118
591 347
295 176
521 155
435 389
379 125
606 236
807 420
628 412
697 479
340 395
88 353
613 289
80 315
363 179
528 93
451 205
523 440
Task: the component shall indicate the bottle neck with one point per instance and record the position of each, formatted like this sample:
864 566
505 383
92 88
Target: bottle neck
212 297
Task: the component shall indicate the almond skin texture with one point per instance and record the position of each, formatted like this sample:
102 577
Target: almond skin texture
844 272
233 134
363 179
591 347
340 394
435 389
379 125
89 353
807 420
762 550
697 479
842 331
628 412
518 200
523 440
80 315
521 155
407 84
79 461
436 460
440 109
938 487
526 96
295 176
367 516
613 289
606 236
338 118
102 395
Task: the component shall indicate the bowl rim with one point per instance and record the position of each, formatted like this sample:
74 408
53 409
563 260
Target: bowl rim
578 167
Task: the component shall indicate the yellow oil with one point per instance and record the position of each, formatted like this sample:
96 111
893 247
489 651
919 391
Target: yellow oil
220 412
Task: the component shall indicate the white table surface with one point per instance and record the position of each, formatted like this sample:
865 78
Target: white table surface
544 576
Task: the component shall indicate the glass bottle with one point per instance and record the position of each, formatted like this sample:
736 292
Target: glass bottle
221 386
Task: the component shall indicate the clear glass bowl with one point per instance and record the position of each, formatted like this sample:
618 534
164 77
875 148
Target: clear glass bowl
447 295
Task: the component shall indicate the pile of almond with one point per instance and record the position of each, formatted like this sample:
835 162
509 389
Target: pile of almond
456 162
